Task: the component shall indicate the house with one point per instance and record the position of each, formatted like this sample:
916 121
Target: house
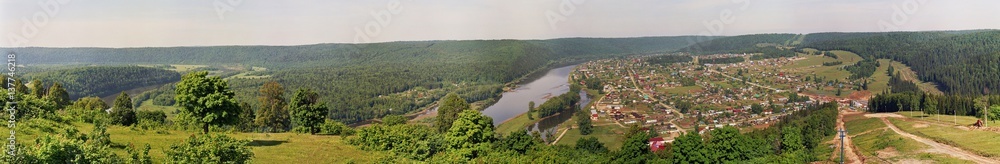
593 115
658 143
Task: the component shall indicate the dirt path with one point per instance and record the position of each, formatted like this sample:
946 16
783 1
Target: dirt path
850 154
560 136
941 148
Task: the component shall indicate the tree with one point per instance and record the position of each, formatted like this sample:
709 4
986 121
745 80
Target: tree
635 147
58 95
306 111
591 144
272 115
519 141
756 108
448 111
689 148
206 100
20 87
791 139
583 121
994 112
210 149
123 113
391 120
37 89
247 116
470 134
531 109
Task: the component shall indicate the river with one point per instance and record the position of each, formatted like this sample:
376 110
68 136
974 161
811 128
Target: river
513 103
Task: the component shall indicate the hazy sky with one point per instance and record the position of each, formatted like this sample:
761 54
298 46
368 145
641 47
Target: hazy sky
156 23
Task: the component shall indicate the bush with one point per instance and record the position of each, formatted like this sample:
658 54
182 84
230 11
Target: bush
57 149
331 127
210 149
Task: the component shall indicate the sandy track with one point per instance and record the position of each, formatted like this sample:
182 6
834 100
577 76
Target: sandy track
941 148
850 155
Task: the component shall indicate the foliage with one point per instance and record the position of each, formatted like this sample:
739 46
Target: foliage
833 63
960 62
123 112
768 53
736 43
862 69
391 120
412 141
518 141
449 108
272 115
306 111
210 149
726 60
584 123
564 102
245 122
690 149
88 110
471 134
58 95
104 80
591 144
335 128
668 59
206 100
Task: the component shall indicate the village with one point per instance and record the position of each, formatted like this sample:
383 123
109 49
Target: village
682 97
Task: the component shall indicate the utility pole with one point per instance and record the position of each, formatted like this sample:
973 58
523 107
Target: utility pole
843 133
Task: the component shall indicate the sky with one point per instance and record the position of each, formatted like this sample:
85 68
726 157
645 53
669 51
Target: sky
167 23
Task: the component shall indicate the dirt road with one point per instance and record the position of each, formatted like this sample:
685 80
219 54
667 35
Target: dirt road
941 148
850 155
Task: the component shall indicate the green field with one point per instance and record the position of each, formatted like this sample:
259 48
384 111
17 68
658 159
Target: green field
606 134
514 124
871 137
985 143
911 75
267 148
813 64
149 106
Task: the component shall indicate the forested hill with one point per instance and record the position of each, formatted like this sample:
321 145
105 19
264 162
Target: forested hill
742 43
960 62
332 54
104 80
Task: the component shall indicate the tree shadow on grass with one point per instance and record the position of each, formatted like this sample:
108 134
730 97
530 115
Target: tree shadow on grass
266 143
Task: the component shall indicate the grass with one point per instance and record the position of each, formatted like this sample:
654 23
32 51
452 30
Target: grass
945 119
185 67
514 124
985 143
682 90
911 75
857 124
149 106
880 80
605 134
879 138
267 148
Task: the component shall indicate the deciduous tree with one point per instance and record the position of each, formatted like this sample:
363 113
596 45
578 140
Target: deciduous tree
206 100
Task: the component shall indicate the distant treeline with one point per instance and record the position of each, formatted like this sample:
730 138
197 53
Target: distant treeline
104 80
960 62
669 59
722 60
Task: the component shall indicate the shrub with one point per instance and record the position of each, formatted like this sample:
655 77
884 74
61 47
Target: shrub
210 149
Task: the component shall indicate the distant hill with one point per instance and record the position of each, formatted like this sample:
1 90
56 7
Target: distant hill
960 62
104 80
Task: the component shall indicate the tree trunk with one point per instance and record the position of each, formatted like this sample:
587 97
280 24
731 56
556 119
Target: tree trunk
205 128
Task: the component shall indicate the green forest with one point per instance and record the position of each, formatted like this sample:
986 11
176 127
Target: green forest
104 80
960 62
